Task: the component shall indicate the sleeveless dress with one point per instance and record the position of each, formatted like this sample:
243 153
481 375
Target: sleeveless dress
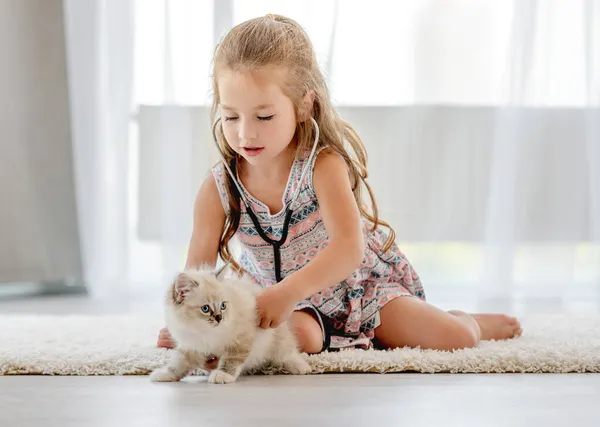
348 312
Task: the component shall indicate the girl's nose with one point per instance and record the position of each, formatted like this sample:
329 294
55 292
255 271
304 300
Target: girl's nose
247 131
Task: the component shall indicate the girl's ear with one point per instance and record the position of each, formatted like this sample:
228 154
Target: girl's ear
306 106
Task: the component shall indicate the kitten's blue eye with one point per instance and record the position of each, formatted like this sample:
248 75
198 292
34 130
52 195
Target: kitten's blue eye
223 305
205 309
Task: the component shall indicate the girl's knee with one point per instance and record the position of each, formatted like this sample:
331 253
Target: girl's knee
462 337
307 331
455 335
464 334
308 341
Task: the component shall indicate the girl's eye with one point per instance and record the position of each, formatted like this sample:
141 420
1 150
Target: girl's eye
223 305
266 117
227 119
205 309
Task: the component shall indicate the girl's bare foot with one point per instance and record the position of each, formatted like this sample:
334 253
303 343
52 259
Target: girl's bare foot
497 326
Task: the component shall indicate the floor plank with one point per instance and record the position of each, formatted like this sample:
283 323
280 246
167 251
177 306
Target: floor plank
324 400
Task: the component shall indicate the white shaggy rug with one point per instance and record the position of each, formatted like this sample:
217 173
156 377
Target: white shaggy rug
125 345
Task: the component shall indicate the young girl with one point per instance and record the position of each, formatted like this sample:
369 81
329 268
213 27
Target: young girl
290 190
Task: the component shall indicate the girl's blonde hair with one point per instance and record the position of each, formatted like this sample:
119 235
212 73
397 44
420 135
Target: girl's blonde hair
277 41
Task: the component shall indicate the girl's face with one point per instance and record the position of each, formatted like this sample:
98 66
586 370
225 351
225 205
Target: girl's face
258 119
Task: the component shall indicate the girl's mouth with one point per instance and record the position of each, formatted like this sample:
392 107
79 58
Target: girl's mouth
253 151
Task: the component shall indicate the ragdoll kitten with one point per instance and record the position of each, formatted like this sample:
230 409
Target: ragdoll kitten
206 315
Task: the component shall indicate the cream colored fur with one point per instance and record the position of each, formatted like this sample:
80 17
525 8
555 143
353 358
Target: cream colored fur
229 331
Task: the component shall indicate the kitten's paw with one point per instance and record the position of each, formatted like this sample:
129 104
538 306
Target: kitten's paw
163 375
220 377
297 366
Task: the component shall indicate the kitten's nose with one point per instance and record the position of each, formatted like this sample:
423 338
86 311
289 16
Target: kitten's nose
218 318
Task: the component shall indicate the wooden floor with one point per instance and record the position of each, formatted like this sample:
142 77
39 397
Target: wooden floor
324 400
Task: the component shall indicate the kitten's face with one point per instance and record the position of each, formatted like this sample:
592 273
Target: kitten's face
198 297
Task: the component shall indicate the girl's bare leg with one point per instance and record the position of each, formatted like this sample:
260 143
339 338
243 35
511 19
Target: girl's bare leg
408 321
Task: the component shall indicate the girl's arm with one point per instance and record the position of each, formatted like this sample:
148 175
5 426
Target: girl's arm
342 220
209 218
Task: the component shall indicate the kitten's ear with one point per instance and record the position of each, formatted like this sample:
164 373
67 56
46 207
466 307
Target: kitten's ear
181 286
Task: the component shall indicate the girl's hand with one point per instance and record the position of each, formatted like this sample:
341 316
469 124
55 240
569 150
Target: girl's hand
274 305
164 339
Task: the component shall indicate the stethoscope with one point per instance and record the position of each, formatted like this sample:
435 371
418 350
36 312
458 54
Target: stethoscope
288 207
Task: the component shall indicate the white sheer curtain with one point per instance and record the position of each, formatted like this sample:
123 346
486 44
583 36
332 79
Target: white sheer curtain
482 122
99 41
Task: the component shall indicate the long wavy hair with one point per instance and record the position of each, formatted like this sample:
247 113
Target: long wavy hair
277 41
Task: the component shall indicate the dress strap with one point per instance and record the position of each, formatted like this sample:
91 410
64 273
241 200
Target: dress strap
220 175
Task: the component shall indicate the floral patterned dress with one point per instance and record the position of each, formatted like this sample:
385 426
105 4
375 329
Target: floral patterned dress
348 312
